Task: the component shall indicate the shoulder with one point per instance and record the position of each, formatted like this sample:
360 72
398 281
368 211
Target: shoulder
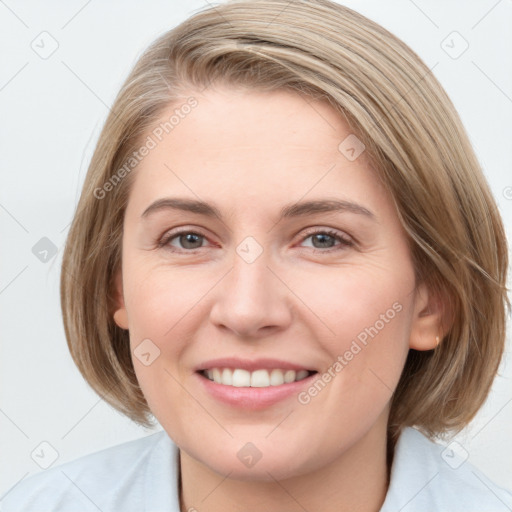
111 479
428 476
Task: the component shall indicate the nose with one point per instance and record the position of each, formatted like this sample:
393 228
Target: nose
252 301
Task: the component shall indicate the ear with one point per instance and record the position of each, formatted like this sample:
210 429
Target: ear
429 317
120 315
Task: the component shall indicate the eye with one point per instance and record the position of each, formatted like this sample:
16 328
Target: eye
187 240
326 239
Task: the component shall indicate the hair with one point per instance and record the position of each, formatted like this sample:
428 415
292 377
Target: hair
413 137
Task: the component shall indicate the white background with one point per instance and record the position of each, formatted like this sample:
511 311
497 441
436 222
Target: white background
51 113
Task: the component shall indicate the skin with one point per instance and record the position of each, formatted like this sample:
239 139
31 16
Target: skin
250 153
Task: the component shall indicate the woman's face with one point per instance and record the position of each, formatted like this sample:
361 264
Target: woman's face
271 288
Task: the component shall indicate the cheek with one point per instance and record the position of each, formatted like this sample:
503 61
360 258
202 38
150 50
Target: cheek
166 309
158 306
365 318
355 301
159 300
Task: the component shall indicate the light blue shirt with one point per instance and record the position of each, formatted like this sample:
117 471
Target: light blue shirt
142 476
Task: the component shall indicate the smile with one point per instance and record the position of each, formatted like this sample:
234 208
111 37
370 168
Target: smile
252 384
262 378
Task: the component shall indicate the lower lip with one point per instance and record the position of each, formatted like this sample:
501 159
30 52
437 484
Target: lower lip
253 398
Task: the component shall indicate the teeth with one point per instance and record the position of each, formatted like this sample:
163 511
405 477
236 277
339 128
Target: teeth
289 376
258 379
241 378
301 374
227 376
276 378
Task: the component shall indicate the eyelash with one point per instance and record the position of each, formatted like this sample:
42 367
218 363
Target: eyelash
163 243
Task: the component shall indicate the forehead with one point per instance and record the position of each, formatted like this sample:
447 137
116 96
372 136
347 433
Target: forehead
236 144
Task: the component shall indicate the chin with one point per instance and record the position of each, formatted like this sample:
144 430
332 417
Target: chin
268 468
259 473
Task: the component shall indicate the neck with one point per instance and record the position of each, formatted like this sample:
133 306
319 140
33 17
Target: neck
356 481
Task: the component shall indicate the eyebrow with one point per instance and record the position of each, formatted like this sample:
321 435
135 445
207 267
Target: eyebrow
289 211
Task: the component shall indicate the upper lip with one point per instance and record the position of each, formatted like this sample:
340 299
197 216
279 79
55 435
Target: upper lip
250 364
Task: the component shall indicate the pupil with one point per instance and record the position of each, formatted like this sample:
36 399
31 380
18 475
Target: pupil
323 238
189 239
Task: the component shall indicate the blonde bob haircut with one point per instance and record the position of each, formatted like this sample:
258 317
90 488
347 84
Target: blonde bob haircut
416 144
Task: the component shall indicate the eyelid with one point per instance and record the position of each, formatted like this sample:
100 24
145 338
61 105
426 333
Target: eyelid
330 231
163 240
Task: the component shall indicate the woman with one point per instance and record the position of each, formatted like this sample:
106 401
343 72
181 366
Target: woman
285 251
